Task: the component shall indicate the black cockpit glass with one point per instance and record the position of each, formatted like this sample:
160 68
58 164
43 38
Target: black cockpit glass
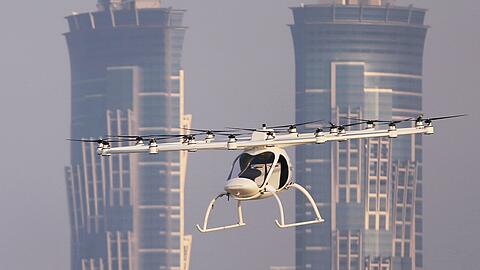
253 167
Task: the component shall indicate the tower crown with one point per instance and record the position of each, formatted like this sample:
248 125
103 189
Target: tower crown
123 4
358 2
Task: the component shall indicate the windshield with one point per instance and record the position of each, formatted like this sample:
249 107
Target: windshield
255 167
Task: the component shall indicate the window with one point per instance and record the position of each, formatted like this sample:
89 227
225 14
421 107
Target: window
354 159
255 168
354 246
342 194
398 249
383 222
372 187
372 204
410 179
401 179
383 204
373 150
400 195
284 171
353 194
342 159
343 265
373 168
342 177
384 151
383 169
354 263
407 231
354 144
353 177
409 196
408 214
371 222
407 249
398 231
399 213
383 186
343 246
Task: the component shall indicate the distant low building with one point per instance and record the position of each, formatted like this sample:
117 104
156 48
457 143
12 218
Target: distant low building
126 211
364 60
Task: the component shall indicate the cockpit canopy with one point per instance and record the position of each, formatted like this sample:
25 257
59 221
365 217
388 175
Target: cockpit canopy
262 168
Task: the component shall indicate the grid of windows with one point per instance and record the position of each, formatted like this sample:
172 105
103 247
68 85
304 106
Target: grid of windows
93 264
349 163
118 122
378 191
119 250
377 263
419 218
404 182
348 250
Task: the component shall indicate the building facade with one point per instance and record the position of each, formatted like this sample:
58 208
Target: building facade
360 59
126 211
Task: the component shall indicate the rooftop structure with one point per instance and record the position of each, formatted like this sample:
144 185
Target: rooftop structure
357 2
128 4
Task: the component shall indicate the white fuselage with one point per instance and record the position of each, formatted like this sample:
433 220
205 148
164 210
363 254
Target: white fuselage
247 187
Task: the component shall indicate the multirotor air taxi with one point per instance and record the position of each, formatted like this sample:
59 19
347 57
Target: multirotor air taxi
263 169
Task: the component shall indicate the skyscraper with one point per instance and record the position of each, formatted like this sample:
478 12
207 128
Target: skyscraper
126 212
360 59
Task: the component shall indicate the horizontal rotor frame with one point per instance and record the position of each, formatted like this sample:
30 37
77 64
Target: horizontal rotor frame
282 141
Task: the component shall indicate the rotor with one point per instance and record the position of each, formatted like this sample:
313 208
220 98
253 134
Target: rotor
289 128
419 120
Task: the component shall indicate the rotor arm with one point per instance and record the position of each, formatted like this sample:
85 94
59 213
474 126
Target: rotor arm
278 141
351 135
165 147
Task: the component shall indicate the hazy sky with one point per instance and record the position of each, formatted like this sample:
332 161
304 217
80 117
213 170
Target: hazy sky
239 62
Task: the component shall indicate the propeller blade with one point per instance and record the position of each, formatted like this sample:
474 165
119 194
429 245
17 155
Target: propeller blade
125 136
207 130
276 127
354 124
155 137
397 121
332 125
366 120
86 140
446 117
244 129
297 124
403 120
98 140
232 134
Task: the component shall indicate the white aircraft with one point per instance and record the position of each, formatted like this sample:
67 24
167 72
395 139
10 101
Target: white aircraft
263 169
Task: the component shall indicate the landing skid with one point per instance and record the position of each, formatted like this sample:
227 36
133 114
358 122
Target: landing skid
282 224
205 229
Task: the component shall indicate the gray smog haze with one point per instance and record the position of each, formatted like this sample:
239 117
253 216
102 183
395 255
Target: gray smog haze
239 63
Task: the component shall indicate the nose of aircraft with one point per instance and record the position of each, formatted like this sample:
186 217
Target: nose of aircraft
241 187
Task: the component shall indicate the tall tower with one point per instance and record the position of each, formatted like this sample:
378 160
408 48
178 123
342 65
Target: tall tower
360 59
126 212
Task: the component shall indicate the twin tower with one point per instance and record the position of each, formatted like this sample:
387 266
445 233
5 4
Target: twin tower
353 58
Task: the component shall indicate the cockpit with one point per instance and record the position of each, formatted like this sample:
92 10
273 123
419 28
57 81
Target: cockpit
262 168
